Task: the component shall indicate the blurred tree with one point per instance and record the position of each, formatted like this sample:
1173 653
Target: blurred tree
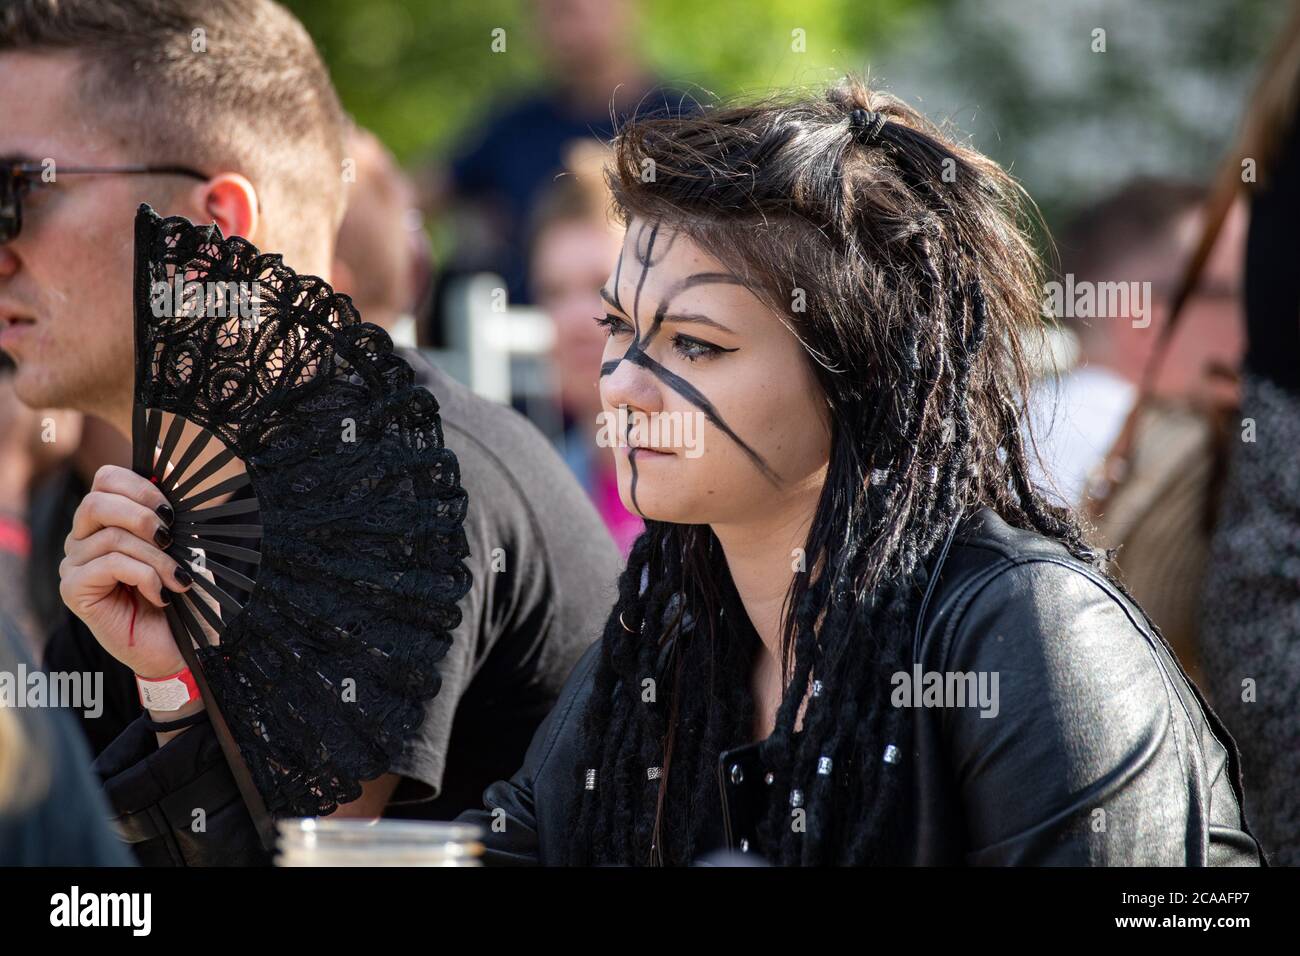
420 72
1078 96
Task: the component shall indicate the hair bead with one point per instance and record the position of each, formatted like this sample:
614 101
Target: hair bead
866 126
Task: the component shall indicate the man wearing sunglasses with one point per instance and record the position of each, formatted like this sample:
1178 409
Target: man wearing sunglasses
21 176
221 111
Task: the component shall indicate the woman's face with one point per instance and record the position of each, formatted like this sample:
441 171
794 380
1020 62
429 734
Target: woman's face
710 403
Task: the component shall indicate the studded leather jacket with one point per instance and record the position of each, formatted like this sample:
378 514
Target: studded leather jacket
1095 750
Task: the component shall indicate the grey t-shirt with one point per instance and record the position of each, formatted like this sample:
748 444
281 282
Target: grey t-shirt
544 572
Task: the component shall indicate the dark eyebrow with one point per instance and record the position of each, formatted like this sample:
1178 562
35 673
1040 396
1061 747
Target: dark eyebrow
699 278
706 278
695 317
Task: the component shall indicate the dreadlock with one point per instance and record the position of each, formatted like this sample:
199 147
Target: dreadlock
920 285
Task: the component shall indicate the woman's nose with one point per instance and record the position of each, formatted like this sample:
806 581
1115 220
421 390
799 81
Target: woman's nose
626 383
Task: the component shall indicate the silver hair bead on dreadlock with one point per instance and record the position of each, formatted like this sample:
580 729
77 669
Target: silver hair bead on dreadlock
591 779
824 766
892 755
653 773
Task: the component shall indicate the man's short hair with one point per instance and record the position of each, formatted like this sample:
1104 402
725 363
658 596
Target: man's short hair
236 83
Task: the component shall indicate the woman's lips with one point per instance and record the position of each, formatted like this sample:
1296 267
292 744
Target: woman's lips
646 454
13 330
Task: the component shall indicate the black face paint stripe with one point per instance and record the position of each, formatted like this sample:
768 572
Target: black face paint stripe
645 271
618 271
631 461
607 367
693 395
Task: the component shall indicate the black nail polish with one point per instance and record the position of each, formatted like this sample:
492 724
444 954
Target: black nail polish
184 577
163 538
165 512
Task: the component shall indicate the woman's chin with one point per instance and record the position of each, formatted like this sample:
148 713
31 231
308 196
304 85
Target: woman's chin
655 504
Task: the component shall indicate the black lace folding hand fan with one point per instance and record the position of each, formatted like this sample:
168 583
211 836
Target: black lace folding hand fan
315 502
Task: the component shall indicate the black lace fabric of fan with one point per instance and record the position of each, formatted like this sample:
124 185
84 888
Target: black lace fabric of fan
329 642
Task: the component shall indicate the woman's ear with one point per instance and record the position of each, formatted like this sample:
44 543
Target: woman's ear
230 201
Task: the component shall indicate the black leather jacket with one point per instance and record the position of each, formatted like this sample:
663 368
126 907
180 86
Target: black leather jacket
1100 753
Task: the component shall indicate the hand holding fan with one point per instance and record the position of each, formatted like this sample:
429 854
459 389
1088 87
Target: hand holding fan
314 500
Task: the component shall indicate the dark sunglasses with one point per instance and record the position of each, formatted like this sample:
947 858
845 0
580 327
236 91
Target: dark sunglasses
18 178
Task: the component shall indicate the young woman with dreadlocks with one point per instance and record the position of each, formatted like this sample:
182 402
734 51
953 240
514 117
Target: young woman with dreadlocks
848 543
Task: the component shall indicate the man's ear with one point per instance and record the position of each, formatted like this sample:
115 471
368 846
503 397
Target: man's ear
230 201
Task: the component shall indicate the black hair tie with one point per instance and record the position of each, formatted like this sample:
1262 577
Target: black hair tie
866 126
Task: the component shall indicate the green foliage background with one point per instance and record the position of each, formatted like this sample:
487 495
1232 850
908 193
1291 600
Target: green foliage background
418 71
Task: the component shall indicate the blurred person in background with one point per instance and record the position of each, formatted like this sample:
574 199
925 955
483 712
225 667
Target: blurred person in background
1141 233
33 444
1159 518
572 240
18 428
86 442
69 648
381 247
1251 600
595 78
51 810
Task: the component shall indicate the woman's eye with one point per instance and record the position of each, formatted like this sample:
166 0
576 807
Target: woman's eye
693 349
612 324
